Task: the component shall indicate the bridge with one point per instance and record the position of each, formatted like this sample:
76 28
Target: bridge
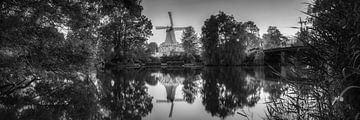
279 55
286 49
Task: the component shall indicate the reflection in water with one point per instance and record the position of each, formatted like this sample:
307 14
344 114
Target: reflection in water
171 79
125 95
226 90
170 83
181 93
307 95
58 96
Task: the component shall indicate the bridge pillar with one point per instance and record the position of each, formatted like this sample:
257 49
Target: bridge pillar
283 71
282 58
259 58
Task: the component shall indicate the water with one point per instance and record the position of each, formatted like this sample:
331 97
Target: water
192 96
209 93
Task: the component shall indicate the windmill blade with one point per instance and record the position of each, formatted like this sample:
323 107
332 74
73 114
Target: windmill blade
161 101
179 100
162 27
180 28
295 27
171 20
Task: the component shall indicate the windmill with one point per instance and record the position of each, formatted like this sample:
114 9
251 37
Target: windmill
170 31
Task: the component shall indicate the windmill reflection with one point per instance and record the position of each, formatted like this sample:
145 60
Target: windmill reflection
170 83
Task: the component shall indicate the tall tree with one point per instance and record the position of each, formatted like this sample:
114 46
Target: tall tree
223 40
253 40
273 38
152 47
190 41
124 33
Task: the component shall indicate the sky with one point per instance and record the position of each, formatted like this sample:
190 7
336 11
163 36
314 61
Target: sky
281 13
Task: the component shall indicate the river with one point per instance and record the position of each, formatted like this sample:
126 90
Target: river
208 93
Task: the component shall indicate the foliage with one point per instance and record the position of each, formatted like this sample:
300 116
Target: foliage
187 58
300 37
32 41
152 47
190 41
332 34
273 38
124 34
253 40
334 39
65 36
223 40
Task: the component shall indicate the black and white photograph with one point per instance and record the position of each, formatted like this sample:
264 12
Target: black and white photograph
180 60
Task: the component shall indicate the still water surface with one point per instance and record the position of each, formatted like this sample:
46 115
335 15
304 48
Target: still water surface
210 93
230 93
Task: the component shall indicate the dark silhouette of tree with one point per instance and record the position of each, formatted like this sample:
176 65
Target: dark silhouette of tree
334 41
223 40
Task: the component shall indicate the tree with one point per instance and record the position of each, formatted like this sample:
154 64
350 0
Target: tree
299 38
124 33
273 38
32 30
152 47
253 40
223 40
190 41
64 36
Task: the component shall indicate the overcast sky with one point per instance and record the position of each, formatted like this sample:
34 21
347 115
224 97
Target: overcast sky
281 13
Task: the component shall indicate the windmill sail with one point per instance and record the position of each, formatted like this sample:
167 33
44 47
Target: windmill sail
171 20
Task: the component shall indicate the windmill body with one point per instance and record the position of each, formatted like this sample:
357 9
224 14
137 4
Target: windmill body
170 45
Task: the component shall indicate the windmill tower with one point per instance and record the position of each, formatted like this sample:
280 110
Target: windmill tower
170 44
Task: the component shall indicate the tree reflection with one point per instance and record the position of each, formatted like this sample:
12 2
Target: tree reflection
191 88
57 96
125 95
225 90
75 95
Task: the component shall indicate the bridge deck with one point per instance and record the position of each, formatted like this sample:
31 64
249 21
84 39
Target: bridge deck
285 49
